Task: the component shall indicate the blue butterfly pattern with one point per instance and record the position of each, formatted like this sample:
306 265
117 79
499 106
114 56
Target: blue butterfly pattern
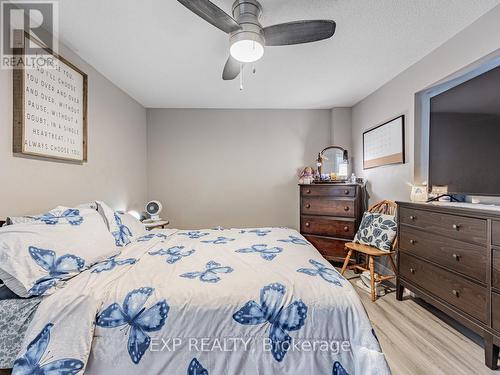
271 310
327 274
265 252
195 368
210 273
219 240
140 320
57 268
150 236
70 216
338 369
195 234
174 254
258 232
111 263
295 240
122 234
29 362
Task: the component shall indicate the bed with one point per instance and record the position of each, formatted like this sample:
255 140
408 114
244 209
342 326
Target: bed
235 301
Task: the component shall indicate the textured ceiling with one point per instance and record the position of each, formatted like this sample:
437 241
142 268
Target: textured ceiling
165 56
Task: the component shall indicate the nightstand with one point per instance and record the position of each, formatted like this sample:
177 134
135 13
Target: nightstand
156 224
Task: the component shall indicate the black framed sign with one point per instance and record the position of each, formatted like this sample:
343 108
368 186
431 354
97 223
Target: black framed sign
50 108
384 144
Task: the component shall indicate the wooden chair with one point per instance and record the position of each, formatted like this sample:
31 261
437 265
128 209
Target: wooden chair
370 252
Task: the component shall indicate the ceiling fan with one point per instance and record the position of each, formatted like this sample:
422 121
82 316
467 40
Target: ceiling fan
248 38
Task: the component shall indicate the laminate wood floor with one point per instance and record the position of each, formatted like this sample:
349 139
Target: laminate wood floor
417 339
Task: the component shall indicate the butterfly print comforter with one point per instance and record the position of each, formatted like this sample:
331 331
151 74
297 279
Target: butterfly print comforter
236 301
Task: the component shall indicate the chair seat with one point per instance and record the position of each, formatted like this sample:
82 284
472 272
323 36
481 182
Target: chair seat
367 249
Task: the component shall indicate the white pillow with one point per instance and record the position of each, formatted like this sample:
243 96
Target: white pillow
136 227
12 220
124 227
57 246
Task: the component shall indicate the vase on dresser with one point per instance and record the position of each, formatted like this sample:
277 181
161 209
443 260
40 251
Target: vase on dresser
330 215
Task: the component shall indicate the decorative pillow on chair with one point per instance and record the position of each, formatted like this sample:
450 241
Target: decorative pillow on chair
377 230
35 256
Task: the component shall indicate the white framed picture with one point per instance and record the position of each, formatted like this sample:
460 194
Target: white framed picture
50 110
384 144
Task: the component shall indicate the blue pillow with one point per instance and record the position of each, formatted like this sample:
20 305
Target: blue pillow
6 293
377 230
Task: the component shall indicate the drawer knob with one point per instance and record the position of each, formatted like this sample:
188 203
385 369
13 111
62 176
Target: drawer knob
412 217
455 293
456 257
308 205
456 226
346 192
346 229
413 242
308 225
308 191
346 208
412 271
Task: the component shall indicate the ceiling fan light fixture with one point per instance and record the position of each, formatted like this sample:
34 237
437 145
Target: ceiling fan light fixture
247 51
247 47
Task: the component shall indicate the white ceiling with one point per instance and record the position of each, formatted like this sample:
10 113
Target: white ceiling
166 57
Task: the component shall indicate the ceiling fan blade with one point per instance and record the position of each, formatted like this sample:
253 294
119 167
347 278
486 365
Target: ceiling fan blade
298 32
231 69
212 14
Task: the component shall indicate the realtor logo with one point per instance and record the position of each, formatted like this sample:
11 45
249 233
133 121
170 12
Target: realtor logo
37 19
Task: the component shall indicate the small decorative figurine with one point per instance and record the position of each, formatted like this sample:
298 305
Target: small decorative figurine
306 176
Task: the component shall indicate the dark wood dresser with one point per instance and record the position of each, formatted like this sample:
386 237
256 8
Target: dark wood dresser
330 215
450 257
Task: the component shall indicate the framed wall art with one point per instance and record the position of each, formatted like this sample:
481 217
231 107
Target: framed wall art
50 109
384 144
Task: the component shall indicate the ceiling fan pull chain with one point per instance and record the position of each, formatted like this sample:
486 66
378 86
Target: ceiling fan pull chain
254 70
241 76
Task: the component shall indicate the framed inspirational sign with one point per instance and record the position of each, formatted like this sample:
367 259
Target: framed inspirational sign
50 107
384 144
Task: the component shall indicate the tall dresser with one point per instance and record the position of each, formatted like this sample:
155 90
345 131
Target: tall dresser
330 215
450 257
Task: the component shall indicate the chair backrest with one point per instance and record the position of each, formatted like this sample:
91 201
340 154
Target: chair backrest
387 208
384 207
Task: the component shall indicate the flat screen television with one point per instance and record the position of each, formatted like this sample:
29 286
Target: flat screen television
464 144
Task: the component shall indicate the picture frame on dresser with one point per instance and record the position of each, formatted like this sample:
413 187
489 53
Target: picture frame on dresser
330 214
450 257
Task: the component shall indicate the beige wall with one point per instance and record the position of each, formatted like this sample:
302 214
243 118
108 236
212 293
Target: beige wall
115 172
398 97
342 128
231 167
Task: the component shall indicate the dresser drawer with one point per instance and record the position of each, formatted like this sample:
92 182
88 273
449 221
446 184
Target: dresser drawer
328 191
495 303
457 291
458 227
495 233
328 206
330 248
496 270
458 256
328 226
